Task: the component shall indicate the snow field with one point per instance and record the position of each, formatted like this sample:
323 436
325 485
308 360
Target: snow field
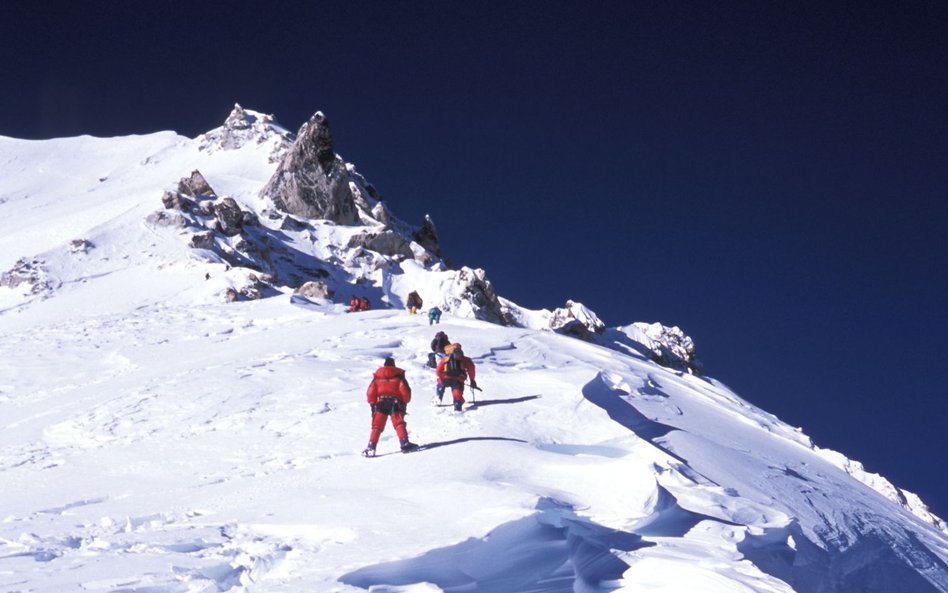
194 425
155 439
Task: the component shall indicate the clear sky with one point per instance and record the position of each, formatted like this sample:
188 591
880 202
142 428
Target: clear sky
772 179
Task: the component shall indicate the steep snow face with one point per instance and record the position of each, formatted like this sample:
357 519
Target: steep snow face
155 438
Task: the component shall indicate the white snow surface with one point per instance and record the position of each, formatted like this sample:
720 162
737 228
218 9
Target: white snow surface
156 439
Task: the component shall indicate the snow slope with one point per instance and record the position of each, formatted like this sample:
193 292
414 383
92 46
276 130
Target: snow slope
156 439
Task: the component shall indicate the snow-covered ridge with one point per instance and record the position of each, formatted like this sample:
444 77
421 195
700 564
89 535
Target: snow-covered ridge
157 438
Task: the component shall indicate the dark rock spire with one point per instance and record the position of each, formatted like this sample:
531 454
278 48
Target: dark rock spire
312 181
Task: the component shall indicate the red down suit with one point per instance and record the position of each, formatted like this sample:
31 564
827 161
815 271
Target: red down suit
389 393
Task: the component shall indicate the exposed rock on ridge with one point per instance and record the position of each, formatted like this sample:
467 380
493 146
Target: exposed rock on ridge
312 185
577 320
478 298
311 180
427 237
29 272
669 346
243 127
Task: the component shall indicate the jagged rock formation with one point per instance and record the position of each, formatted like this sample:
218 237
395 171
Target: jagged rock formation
311 180
196 197
230 218
427 236
315 290
312 184
386 242
30 272
244 126
196 186
190 191
669 346
477 298
576 320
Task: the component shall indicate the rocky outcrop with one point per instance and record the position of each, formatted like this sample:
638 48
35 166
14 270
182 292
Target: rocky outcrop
311 180
669 346
243 127
386 242
176 201
476 298
576 320
315 290
427 237
29 272
247 286
80 246
166 219
194 195
202 240
190 192
230 217
196 186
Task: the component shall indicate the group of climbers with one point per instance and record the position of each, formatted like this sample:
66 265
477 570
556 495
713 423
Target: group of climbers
389 392
413 303
357 304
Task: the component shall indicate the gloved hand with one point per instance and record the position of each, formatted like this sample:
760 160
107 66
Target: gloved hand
474 384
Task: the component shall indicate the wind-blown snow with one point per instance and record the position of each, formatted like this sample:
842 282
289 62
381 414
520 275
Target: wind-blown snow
156 439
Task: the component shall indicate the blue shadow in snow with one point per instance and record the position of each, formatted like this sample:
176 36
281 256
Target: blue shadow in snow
494 402
623 412
547 552
885 558
435 445
670 519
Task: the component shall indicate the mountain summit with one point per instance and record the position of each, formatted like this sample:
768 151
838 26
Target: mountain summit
183 405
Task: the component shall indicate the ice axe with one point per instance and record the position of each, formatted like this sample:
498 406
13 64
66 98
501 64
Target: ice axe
473 389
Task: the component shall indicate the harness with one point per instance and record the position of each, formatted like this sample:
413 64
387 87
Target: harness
388 404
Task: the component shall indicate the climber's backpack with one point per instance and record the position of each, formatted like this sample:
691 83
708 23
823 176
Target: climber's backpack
455 367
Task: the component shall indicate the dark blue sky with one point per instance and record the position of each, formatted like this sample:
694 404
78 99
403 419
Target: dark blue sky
772 179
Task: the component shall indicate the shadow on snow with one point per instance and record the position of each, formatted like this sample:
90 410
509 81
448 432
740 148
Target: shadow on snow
546 552
493 402
435 445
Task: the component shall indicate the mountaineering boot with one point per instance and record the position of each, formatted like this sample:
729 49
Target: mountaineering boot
439 391
369 451
408 446
457 405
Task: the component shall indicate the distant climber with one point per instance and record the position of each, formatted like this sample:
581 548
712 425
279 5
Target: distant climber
364 304
353 304
388 396
437 349
434 315
452 372
414 302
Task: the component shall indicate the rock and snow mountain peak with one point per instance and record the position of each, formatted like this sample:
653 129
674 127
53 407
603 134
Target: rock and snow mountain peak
245 126
178 417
